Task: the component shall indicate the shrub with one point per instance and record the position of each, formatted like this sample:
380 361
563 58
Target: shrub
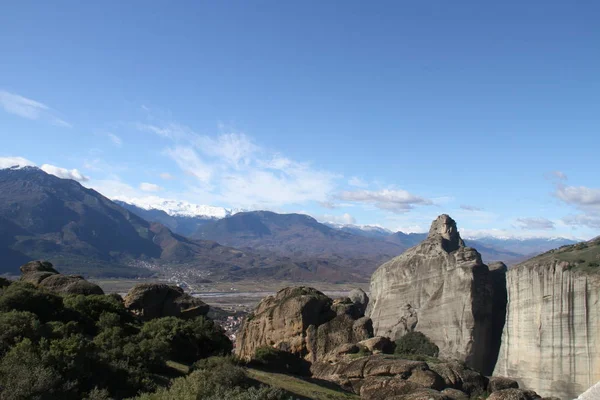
189 340
17 325
21 296
416 343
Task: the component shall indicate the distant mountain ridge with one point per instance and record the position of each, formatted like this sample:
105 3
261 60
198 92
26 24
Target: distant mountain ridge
81 231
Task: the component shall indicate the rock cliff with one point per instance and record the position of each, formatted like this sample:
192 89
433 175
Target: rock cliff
304 322
551 339
443 289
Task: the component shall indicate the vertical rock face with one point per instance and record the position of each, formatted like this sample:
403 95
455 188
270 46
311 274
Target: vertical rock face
442 288
551 339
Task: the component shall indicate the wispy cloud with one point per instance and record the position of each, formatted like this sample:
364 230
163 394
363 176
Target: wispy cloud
166 176
150 187
584 199
30 109
534 224
587 220
397 201
358 182
232 169
116 140
467 207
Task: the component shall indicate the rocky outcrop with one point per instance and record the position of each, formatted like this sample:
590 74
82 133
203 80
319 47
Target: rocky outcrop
43 274
444 290
153 300
551 339
304 322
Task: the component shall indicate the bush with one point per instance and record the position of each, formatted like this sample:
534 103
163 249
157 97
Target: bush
216 378
15 326
21 296
189 340
416 343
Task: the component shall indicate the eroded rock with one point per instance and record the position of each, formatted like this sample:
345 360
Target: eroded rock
154 300
443 289
43 274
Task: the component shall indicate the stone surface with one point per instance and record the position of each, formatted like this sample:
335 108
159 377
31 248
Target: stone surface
153 300
43 274
304 322
385 387
360 299
378 344
514 394
499 383
443 289
457 375
593 393
551 340
455 394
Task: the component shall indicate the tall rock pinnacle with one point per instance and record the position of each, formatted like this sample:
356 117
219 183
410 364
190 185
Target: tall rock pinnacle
442 289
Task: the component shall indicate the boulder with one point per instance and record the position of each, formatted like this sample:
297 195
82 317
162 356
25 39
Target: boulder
514 394
304 322
428 379
497 383
457 375
155 300
43 274
454 394
360 299
378 344
443 289
385 387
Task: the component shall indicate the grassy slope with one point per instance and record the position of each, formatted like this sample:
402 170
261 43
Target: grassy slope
304 389
584 257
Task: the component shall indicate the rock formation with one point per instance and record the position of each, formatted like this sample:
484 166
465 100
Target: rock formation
380 377
443 289
43 274
551 339
304 322
153 300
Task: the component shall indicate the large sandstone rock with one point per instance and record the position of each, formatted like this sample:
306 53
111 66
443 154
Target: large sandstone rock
43 274
153 300
551 340
443 289
304 322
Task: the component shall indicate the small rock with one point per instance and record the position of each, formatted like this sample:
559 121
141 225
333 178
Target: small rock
455 394
153 300
514 394
428 379
497 383
378 344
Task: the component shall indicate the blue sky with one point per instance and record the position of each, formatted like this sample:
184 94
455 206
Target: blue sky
387 113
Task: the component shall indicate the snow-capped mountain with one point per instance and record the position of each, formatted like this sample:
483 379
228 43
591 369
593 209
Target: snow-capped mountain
178 208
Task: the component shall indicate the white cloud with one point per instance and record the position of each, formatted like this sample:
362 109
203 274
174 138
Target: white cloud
188 160
397 201
150 187
533 224
8 162
64 173
30 109
115 139
356 181
231 169
344 219
166 176
579 195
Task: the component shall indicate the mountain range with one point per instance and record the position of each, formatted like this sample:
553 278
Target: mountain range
80 230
